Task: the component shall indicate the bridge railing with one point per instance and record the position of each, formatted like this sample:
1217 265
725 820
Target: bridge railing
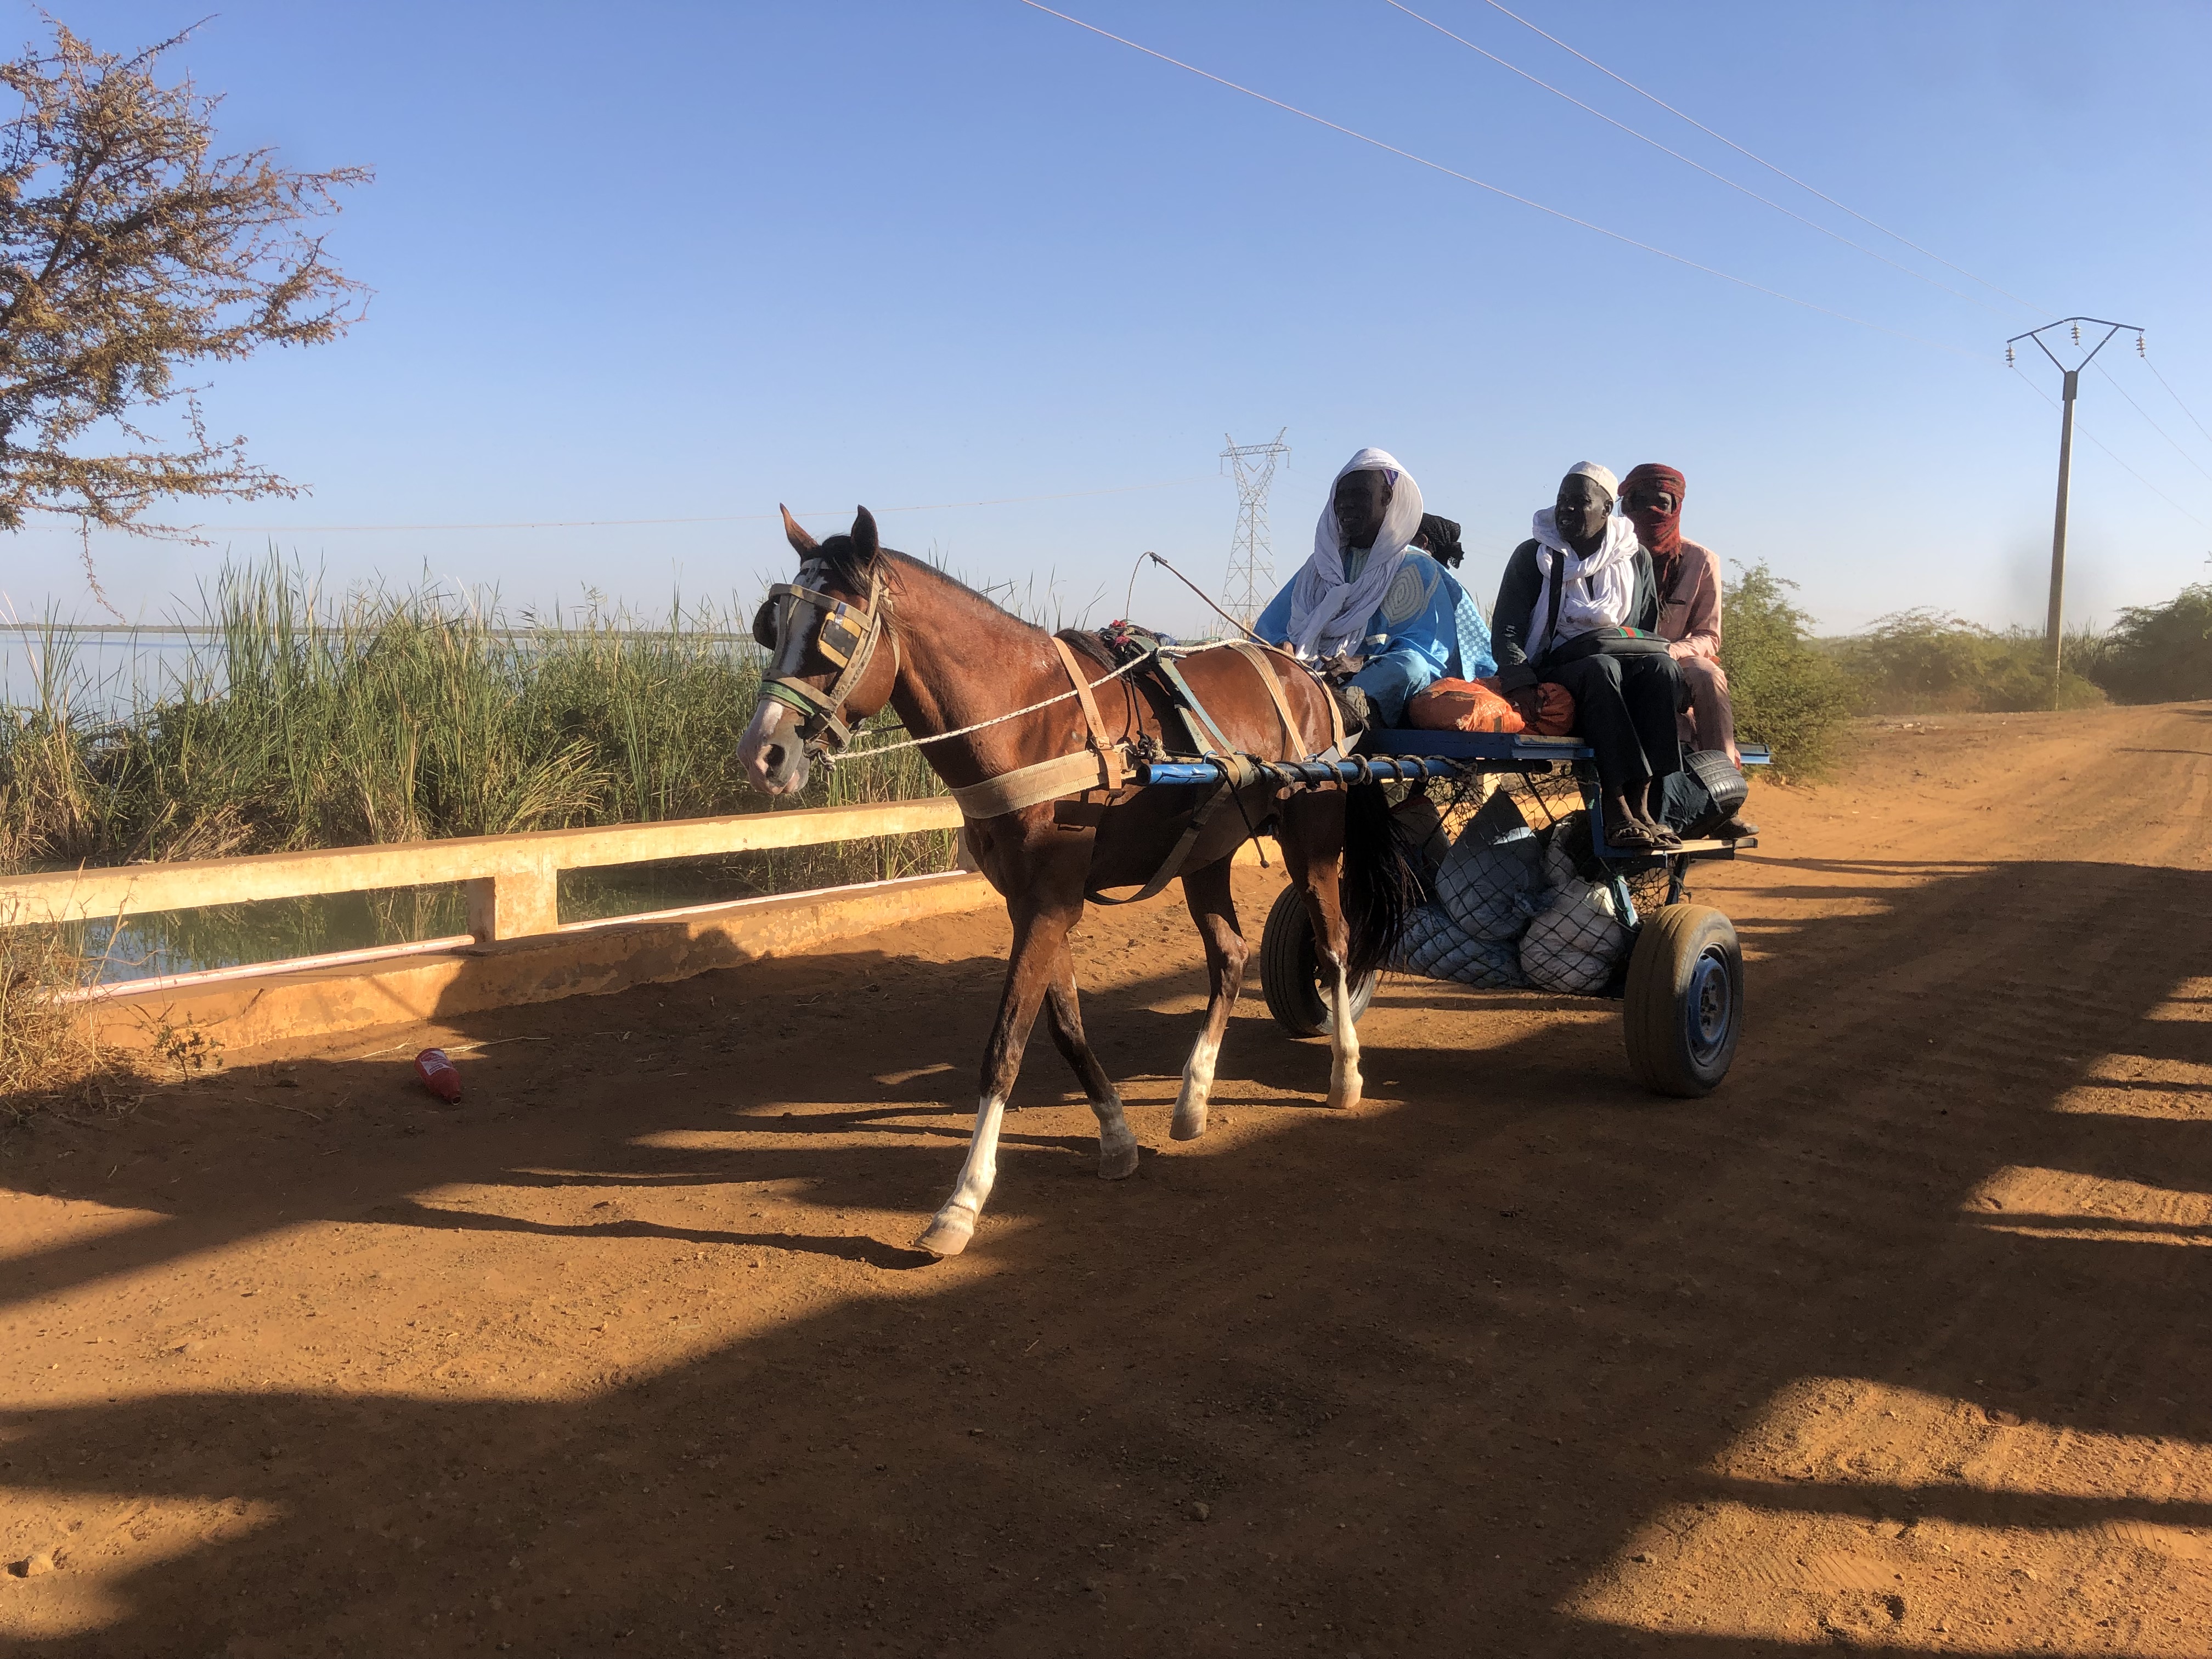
512 881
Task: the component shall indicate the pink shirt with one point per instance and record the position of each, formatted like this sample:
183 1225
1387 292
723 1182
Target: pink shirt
1690 608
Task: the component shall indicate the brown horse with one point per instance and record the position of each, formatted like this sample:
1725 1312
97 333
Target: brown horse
863 626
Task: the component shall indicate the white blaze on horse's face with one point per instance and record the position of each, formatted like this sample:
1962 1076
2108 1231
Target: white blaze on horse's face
771 751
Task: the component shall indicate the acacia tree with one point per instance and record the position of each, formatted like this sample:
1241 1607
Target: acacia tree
129 253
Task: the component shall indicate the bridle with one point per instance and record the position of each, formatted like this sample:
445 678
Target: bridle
845 637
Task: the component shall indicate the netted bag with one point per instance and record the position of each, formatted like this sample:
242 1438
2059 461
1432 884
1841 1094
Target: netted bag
1567 855
1576 940
1429 944
1492 877
1419 826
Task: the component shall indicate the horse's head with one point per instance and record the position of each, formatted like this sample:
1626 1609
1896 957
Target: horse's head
825 673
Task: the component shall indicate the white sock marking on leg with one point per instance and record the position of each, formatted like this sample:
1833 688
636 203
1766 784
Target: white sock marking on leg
1344 1081
980 1172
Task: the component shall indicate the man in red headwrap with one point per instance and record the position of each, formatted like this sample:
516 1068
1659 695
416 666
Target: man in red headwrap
1689 601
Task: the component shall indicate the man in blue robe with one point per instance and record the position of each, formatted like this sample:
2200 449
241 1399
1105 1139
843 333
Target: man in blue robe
1367 593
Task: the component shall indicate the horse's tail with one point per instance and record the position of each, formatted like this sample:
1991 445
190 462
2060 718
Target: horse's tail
1380 886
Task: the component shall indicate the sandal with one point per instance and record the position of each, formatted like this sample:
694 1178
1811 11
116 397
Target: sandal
1631 836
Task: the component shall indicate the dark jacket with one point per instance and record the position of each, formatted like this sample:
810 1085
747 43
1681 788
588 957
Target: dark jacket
1514 621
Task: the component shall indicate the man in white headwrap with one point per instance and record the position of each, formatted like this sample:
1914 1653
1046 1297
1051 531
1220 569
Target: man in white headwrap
1368 594
1579 607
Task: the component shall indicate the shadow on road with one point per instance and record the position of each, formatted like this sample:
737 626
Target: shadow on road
1432 1369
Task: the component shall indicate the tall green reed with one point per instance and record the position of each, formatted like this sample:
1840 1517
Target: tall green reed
308 720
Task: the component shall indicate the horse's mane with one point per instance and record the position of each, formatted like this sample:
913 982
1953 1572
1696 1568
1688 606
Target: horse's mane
842 555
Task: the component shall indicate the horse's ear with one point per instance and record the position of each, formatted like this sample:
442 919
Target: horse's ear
800 541
865 544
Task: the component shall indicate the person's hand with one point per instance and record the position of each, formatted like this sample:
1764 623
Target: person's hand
1527 702
1358 706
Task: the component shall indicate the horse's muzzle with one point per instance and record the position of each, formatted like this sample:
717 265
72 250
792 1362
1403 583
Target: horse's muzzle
770 752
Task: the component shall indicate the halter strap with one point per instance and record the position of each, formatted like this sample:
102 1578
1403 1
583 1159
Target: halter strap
822 726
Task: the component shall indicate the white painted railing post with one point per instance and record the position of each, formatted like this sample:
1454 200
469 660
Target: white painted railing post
515 903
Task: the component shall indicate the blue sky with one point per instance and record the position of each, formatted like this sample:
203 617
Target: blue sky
687 261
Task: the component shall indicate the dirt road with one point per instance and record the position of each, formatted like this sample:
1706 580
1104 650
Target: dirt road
1898 1341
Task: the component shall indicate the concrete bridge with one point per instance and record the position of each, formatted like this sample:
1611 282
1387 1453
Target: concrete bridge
517 949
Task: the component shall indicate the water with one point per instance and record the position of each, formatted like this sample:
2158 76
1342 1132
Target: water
275 930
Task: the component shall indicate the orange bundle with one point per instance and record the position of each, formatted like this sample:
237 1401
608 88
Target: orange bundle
1477 706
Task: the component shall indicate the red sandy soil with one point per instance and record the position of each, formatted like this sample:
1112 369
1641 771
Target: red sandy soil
1898 1341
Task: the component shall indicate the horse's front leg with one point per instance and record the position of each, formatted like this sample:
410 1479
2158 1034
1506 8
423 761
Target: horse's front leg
1213 906
1040 937
1117 1141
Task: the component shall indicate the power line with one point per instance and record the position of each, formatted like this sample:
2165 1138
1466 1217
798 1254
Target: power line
1496 190
2170 391
2115 459
1918 276
727 518
1762 161
2154 425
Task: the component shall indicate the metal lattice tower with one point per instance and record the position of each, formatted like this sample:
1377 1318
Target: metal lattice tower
1251 558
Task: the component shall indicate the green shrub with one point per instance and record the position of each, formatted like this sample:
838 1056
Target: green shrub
1789 694
2159 652
1924 662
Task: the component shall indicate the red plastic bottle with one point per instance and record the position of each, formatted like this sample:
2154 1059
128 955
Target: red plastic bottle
437 1070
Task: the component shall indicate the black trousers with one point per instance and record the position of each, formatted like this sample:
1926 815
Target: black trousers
1625 709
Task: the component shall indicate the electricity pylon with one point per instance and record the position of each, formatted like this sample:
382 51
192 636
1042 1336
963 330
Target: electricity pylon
1251 560
2053 640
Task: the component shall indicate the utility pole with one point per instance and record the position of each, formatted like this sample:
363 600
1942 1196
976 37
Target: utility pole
2073 379
1251 559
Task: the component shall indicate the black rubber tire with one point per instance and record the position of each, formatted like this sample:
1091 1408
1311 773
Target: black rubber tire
1290 972
1684 1000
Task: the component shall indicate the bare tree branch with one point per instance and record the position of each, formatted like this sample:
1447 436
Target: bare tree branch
128 252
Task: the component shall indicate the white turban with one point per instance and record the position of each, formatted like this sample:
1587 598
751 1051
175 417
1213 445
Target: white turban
1330 614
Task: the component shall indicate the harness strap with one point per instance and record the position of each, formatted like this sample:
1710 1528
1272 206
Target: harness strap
1292 733
1027 786
1171 865
1102 764
1193 710
1109 751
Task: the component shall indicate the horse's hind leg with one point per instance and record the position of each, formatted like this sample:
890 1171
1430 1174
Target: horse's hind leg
1213 907
1117 1142
1313 853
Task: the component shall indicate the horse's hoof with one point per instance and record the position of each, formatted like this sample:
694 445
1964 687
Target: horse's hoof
1117 1163
1343 1100
1187 1125
945 1236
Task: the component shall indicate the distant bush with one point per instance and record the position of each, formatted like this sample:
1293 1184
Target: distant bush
2159 652
1790 694
1924 662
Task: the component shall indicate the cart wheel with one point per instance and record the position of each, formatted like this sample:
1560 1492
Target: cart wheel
1291 971
1684 998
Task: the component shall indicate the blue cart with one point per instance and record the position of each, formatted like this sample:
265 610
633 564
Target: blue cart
1683 993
